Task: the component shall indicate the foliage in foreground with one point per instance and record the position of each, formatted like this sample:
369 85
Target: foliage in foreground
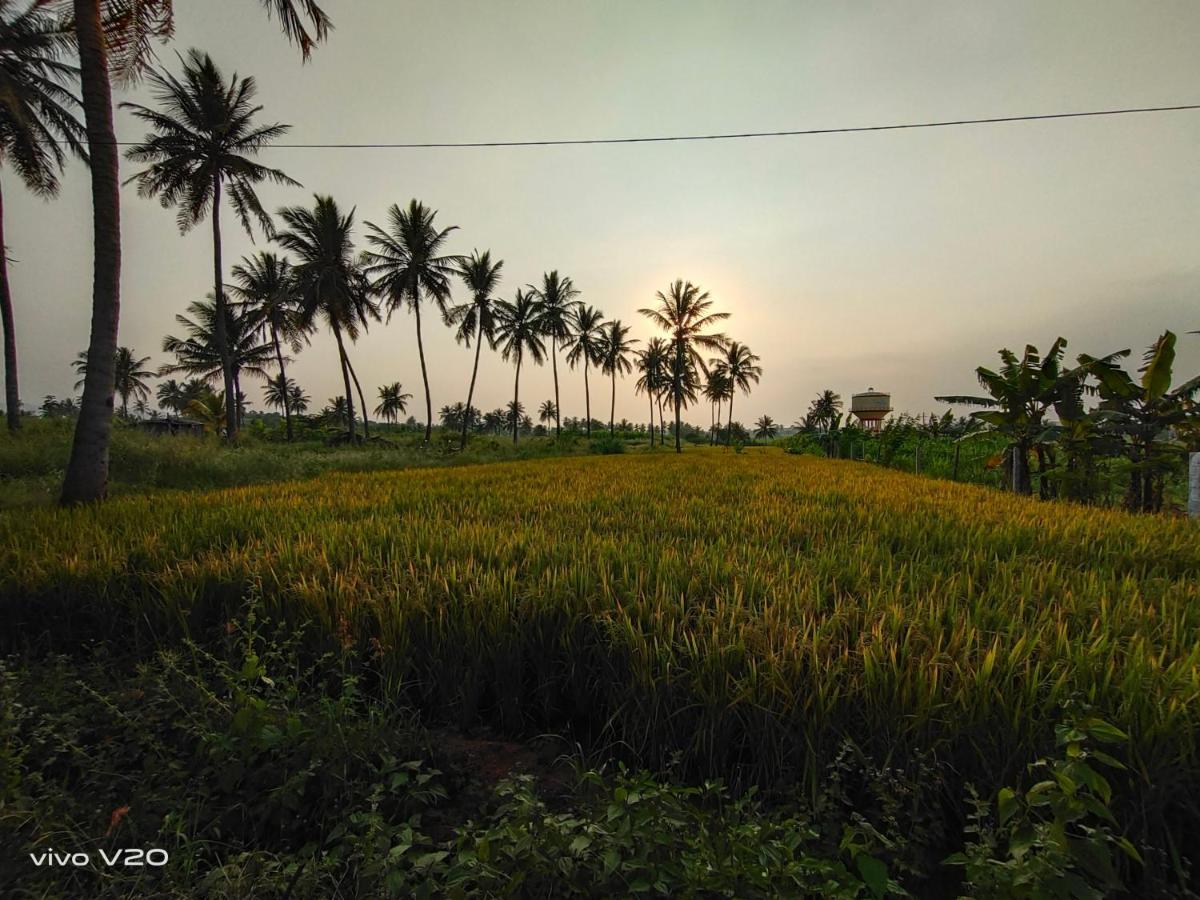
748 616
263 775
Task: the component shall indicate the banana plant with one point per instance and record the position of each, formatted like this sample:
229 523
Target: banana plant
1020 395
1147 415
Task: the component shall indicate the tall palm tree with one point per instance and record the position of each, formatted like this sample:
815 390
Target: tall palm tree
266 289
652 363
825 410
38 115
198 353
408 262
277 393
685 313
297 399
130 376
329 283
766 428
519 334
113 38
716 389
393 401
556 297
548 412
739 367
199 148
615 349
475 318
175 396
584 344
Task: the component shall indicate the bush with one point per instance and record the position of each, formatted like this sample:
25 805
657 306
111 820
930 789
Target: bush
608 445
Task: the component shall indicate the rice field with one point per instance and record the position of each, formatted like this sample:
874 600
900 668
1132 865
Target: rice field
749 611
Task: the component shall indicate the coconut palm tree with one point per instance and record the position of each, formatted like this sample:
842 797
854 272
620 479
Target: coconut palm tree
616 347
175 396
298 400
547 412
685 313
519 334
765 428
329 283
393 401
114 37
515 417
336 412
209 410
474 318
739 367
38 125
199 150
556 297
407 263
198 353
584 343
652 363
716 389
265 287
277 393
130 376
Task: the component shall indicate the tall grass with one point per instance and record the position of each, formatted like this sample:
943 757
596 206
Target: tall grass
747 610
32 461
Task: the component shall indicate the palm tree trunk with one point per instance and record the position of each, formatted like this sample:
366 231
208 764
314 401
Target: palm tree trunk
287 403
651 396
678 387
232 419
361 399
729 424
86 477
587 398
12 397
462 441
337 333
612 410
239 410
416 298
557 407
516 410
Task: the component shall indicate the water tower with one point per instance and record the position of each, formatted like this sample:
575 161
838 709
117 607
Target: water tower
871 407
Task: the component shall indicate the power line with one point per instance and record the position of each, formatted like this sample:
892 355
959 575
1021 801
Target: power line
727 136
995 120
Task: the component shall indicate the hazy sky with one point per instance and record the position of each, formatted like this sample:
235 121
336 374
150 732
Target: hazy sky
898 260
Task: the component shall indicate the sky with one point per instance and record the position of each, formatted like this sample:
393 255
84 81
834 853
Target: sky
894 260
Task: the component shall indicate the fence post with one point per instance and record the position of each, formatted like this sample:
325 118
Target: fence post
1194 485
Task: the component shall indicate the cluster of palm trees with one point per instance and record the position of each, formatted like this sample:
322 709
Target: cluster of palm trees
199 155
53 108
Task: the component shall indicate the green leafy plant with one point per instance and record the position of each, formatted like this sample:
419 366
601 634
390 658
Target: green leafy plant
1058 838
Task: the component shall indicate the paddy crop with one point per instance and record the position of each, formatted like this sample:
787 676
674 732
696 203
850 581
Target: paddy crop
749 611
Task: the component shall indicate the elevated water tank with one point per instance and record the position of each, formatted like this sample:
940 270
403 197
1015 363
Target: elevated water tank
871 407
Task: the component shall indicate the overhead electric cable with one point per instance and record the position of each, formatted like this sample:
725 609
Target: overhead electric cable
728 136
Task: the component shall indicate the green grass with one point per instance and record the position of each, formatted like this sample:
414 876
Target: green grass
747 611
32 462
